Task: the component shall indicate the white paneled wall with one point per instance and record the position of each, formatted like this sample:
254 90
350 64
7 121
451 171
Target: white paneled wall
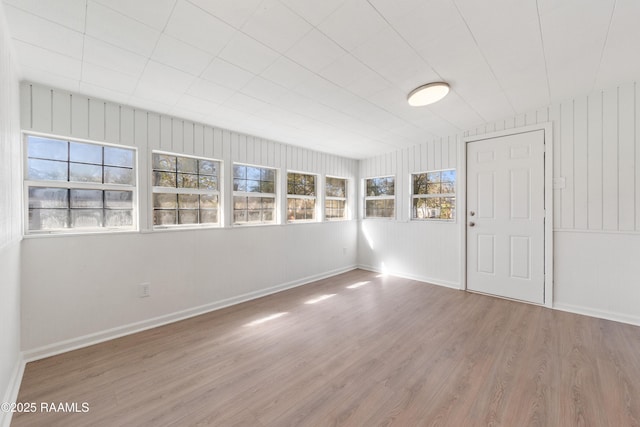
78 289
10 225
425 250
596 152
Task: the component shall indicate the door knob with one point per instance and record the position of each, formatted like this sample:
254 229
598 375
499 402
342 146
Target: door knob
472 213
472 224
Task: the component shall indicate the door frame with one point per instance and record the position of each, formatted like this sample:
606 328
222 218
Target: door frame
547 127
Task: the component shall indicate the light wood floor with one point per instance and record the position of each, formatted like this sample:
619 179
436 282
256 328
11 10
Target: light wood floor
391 352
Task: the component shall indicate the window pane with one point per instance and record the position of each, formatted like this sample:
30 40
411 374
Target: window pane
208 216
240 216
239 203
187 165
448 208
335 209
433 177
47 170
207 167
118 218
268 175
240 172
86 218
433 207
118 157
164 217
336 187
187 217
118 199
255 216
187 181
165 200
188 201
239 185
268 215
448 187
48 219
267 187
268 203
79 172
449 175
253 186
164 179
208 202
253 173
40 197
420 183
419 208
164 162
86 199
44 148
85 153
118 176
254 203
433 188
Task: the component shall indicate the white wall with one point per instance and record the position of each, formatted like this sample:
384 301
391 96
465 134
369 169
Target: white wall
78 289
10 176
424 250
596 214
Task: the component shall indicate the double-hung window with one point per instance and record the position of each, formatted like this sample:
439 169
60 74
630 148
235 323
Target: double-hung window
254 195
433 195
185 191
74 186
335 200
301 197
380 199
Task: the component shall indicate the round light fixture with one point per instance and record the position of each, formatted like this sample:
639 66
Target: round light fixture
428 94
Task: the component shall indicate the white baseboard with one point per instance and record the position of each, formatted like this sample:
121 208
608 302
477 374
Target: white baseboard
430 280
11 394
132 328
601 314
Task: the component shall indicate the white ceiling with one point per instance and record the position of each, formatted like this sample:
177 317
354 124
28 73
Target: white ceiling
331 75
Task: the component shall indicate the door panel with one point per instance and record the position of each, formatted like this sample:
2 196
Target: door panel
505 217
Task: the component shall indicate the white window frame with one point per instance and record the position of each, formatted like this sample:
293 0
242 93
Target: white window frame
72 185
273 196
176 190
345 198
432 196
384 197
305 197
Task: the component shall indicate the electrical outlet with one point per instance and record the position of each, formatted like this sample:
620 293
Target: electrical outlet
144 290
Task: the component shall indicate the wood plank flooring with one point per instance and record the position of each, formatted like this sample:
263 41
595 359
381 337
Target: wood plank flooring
389 352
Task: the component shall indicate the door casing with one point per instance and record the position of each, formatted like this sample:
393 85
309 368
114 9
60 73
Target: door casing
548 202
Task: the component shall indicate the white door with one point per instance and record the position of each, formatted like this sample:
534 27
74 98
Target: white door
505 216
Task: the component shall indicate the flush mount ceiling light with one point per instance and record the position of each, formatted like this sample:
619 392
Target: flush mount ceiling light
428 94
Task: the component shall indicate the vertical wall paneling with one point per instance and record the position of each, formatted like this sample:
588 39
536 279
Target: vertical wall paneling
554 116
153 129
610 145
594 161
61 113
566 164
177 136
112 123
580 166
637 154
41 107
626 158
208 143
79 116
127 129
26 118
198 139
166 133
96 119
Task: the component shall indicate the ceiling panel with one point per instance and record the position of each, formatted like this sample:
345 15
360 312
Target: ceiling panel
276 26
331 75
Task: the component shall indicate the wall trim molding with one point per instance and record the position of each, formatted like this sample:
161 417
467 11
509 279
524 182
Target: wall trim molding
11 394
132 328
429 280
600 314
